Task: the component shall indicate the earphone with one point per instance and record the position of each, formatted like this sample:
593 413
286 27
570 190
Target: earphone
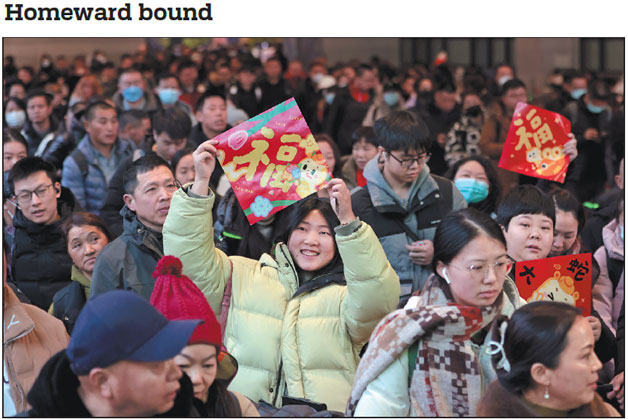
445 276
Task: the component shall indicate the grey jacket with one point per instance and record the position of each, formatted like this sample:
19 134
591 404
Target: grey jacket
128 262
379 206
91 190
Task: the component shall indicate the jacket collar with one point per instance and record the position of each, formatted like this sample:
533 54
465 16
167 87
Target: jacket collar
289 277
384 198
54 393
139 233
78 276
87 148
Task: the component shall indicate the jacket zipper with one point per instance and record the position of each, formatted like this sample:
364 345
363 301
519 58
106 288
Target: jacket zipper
278 382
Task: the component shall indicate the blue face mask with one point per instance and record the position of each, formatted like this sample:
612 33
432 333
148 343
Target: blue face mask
391 98
169 96
472 190
15 119
577 94
621 232
329 98
595 109
132 93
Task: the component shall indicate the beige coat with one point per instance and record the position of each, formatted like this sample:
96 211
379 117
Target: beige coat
31 337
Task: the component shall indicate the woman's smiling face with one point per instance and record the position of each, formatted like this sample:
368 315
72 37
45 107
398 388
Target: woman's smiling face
311 244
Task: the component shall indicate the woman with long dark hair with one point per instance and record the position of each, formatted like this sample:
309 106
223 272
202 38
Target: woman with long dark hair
296 320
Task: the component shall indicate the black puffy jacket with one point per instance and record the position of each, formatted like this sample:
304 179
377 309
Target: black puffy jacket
40 264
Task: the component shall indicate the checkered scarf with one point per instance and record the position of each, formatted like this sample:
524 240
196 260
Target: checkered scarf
446 380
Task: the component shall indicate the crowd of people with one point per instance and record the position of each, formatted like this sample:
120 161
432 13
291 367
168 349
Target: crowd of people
134 284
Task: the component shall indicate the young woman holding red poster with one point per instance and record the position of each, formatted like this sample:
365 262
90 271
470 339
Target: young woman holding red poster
296 321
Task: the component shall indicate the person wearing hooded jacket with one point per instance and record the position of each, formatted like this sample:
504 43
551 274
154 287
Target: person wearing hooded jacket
402 200
297 321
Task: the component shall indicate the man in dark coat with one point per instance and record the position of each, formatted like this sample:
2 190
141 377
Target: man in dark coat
118 363
40 264
590 119
349 108
39 129
129 261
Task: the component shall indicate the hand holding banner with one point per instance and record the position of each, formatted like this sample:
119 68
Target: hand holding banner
535 143
272 161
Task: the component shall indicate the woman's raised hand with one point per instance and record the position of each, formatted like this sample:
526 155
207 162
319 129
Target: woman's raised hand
204 164
340 198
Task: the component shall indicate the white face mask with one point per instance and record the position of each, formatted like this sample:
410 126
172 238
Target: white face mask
503 79
15 119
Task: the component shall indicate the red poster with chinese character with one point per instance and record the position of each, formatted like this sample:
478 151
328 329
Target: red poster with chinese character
272 161
535 141
563 278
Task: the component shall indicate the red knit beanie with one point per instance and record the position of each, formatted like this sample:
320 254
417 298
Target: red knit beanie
178 298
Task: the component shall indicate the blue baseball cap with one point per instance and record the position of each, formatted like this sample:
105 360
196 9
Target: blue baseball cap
122 326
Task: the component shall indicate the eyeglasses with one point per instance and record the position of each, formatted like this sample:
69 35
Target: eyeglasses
479 271
406 164
25 197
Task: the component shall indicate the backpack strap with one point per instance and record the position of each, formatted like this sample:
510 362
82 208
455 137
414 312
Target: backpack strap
412 354
445 189
81 161
226 301
445 186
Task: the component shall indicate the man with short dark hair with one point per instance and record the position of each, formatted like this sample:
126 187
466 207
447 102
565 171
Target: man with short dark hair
274 88
128 261
350 106
169 91
496 127
39 260
211 114
88 170
170 132
590 118
133 92
245 93
402 201
133 126
440 115
119 363
39 129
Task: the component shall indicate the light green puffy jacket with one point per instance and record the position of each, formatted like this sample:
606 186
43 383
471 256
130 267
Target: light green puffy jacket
305 345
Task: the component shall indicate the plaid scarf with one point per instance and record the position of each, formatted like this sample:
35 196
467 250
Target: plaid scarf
446 380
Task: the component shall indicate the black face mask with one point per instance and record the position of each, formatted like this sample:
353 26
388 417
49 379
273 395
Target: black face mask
473 111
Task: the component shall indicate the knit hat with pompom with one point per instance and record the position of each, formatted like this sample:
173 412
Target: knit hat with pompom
178 298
